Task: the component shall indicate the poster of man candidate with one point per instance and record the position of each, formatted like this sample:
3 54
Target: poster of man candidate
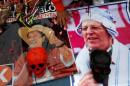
97 63
34 41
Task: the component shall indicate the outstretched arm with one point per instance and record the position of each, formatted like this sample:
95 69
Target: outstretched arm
21 74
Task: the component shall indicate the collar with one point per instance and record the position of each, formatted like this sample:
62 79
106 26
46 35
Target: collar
115 51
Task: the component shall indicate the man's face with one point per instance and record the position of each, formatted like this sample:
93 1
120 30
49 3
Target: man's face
95 35
35 39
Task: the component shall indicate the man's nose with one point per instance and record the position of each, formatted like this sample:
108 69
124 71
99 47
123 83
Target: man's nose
89 31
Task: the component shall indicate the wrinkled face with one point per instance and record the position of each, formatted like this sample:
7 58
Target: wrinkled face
95 35
37 66
35 39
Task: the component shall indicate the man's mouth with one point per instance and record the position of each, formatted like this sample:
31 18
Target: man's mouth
92 38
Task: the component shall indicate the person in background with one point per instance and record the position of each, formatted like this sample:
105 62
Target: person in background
99 32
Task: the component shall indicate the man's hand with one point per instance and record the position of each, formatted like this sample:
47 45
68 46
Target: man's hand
88 80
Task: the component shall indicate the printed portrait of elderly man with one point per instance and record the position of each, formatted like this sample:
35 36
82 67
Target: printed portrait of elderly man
59 60
103 61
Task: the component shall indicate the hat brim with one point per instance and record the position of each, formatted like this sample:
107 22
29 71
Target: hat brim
22 32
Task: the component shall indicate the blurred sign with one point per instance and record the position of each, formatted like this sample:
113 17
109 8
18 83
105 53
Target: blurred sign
6 74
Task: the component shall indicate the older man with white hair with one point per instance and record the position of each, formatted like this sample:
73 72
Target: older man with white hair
99 33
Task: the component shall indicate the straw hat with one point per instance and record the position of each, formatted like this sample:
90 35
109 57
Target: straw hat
49 33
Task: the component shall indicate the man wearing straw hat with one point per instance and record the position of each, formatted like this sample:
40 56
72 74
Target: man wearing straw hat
60 56
99 33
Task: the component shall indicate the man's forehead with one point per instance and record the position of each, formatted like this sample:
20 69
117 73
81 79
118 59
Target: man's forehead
90 22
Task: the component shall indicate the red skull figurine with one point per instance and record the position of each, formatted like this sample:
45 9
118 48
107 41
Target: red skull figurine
37 61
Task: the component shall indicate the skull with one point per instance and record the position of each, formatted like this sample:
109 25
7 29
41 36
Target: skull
37 61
